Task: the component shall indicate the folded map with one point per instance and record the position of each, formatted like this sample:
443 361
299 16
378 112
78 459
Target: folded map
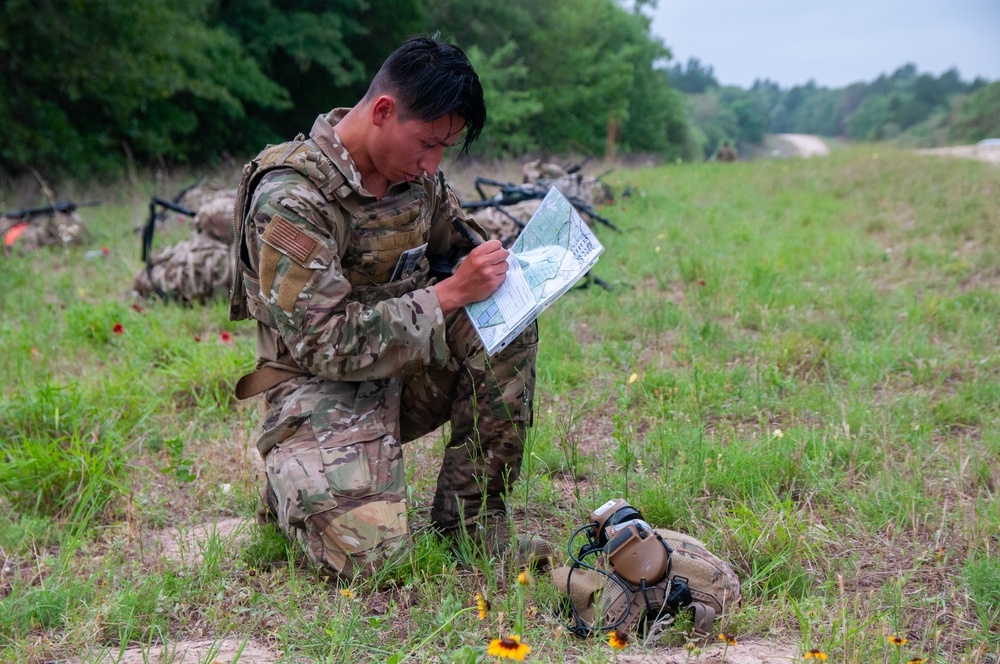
554 250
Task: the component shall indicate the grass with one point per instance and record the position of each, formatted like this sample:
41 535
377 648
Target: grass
798 364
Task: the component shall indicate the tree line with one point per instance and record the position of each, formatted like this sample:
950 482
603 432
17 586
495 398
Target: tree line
92 86
906 107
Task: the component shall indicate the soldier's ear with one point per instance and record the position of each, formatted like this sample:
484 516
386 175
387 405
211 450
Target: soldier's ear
382 109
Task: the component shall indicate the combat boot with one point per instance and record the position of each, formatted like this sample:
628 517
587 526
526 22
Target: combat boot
534 553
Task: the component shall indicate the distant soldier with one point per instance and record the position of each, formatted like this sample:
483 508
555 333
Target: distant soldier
725 152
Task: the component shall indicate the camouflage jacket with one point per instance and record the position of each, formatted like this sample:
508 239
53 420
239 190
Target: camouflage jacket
321 264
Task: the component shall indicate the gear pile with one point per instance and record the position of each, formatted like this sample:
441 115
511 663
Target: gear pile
199 268
24 231
504 214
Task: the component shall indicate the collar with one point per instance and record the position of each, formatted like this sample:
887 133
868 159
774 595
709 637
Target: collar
326 138
329 142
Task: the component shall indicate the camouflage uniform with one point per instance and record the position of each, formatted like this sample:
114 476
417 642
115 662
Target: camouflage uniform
355 359
725 153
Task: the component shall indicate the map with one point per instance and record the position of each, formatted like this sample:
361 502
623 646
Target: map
554 250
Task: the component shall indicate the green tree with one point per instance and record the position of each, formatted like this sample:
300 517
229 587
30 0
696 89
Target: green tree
692 78
866 122
978 117
583 61
511 107
323 52
85 85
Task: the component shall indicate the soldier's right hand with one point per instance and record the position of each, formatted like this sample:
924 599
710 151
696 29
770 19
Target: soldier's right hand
481 273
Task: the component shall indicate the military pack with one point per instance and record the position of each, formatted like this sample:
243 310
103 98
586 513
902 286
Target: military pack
196 269
640 577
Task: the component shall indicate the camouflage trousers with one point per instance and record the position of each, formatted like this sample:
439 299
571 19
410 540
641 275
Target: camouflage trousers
337 484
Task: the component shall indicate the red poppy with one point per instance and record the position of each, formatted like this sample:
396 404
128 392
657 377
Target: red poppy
226 337
105 251
136 307
118 328
701 282
197 338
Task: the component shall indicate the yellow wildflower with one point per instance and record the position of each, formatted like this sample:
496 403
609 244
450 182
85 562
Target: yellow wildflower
483 605
508 648
618 639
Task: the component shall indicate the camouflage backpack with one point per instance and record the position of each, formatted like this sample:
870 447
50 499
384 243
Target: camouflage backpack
215 217
194 270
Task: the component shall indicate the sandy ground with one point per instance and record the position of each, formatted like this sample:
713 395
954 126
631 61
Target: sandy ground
806 145
750 652
988 153
207 651
186 545
232 650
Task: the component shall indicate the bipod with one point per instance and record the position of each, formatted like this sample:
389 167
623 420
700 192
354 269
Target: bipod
147 235
591 278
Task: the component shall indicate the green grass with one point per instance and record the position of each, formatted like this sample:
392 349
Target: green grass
816 395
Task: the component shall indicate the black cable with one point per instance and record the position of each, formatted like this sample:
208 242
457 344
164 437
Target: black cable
582 629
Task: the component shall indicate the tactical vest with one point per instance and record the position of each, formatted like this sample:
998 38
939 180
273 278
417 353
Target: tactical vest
380 232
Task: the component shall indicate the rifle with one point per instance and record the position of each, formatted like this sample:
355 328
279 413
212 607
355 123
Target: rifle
511 193
63 207
148 229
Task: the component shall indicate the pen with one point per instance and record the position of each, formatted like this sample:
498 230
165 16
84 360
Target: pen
464 232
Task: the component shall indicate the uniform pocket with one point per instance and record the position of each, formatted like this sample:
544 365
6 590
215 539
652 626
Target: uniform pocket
364 469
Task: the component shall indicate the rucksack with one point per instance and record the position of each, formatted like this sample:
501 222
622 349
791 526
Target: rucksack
641 577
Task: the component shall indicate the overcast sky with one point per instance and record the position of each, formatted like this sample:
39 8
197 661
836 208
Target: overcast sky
834 43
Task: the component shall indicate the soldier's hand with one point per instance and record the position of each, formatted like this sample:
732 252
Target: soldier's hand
481 273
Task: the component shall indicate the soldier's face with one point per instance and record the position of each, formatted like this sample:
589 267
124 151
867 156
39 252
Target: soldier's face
408 149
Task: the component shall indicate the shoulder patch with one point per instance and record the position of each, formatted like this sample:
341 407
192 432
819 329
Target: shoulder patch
283 233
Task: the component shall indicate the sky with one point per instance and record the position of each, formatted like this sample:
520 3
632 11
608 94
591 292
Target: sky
833 43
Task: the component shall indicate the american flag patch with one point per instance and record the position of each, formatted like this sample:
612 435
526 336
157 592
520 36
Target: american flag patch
283 233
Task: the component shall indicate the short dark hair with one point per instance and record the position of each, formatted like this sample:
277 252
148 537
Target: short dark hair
430 80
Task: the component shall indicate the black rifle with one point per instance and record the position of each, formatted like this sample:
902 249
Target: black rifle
511 193
64 207
147 235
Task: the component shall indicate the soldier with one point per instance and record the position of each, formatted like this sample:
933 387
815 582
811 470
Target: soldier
725 152
359 349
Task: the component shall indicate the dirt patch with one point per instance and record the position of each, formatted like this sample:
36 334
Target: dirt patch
187 544
749 652
987 153
215 651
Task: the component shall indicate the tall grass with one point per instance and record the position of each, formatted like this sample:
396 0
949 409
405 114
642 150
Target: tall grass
797 364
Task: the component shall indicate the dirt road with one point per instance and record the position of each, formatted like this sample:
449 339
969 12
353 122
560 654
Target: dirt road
806 145
988 153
